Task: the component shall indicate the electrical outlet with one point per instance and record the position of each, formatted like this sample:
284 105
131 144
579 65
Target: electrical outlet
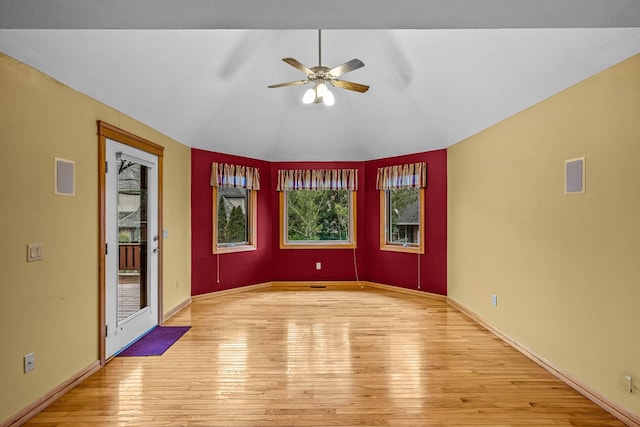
494 300
29 362
630 381
318 266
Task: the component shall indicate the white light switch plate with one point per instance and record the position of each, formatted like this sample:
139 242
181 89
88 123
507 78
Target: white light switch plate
34 252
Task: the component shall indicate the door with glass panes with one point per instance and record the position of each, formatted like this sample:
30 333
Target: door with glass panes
131 291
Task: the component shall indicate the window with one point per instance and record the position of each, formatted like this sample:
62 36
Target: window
402 207
402 219
234 208
233 225
318 217
317 208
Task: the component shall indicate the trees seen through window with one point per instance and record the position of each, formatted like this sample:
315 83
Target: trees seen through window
318 217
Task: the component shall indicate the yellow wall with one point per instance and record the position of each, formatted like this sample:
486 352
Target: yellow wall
565 268
50 307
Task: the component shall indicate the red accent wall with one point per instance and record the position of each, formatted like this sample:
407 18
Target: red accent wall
270 263
300 264
401 269
236 269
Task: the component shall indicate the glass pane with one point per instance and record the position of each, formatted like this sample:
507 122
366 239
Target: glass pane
318 215
132 238
403 216
233 205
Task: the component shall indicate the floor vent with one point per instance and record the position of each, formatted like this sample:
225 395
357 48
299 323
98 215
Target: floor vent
318 287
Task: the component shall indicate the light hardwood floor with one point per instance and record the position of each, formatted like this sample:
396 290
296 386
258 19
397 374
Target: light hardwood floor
325 357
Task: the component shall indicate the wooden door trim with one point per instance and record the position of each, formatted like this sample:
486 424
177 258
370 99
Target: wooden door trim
105 130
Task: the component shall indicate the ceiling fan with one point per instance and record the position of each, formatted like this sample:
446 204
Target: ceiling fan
320 76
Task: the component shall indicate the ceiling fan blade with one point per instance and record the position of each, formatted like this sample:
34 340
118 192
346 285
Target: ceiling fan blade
350 85
297 64
298 82
354 64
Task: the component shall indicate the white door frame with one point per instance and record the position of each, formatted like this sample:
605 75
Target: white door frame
107 131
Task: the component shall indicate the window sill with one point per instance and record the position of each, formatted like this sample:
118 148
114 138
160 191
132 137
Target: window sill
233 249
346 245
400 248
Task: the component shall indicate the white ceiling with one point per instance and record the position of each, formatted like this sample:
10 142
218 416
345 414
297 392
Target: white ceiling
439 71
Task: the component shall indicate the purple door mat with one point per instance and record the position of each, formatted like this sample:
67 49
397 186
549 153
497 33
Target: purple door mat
155 342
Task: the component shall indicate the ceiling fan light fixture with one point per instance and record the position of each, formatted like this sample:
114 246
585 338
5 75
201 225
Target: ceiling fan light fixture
320 75
309 96
322 90
328 98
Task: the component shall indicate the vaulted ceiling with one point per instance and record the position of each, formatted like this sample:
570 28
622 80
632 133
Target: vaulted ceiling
439 71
